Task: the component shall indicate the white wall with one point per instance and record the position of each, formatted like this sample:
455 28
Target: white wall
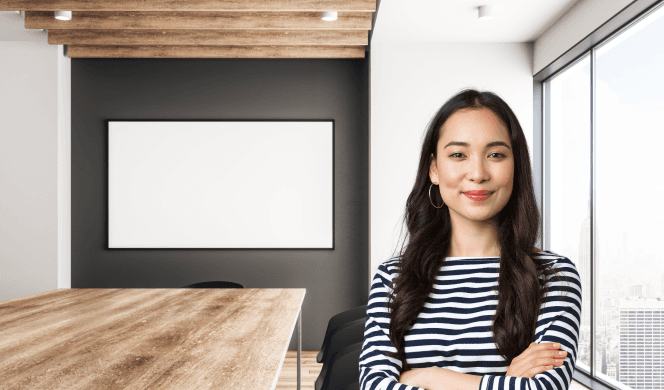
573 27
28 168
409 83
64 168
35 196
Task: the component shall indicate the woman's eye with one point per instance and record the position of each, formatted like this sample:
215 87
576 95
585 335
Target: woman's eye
502 155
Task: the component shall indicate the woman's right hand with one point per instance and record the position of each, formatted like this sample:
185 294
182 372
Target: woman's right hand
535 359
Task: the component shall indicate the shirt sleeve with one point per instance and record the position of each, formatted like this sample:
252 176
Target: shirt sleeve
377 370
558 322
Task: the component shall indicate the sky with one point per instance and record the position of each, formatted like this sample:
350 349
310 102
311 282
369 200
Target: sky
630 103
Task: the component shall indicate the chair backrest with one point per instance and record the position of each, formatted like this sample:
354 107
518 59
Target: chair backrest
344 368
340 339
350 386
324 356
337 321
215 284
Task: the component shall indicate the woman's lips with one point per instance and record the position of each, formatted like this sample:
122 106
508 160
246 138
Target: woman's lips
477 197
478 193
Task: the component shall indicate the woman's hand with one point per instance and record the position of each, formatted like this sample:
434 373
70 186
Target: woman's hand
415 377
411 377
536 359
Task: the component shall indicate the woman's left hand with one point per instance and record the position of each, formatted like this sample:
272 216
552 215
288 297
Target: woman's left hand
415 377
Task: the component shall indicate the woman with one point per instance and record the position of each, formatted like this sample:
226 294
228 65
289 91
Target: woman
470 303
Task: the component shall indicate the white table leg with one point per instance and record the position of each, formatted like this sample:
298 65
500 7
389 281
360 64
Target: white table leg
299 347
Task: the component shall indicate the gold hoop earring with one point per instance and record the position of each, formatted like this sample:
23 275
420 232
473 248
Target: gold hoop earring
431 186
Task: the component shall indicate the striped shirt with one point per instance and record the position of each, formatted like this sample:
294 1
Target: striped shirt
453 330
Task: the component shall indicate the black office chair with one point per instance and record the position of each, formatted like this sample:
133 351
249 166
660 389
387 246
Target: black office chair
215 284
341 339
326 352
338 321
344 371
352 386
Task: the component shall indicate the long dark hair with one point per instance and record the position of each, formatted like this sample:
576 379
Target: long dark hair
521 281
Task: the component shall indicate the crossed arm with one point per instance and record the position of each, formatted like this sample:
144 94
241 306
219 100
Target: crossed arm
536 359
438 378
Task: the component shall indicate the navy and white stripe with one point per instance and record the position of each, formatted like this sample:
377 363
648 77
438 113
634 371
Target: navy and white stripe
453 330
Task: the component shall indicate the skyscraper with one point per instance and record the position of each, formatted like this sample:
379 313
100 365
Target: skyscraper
603 370
636 291
583 267
641 363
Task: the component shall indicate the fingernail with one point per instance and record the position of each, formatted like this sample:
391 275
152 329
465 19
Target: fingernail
561 353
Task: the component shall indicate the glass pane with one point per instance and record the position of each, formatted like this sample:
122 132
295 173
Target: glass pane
629 107
569 172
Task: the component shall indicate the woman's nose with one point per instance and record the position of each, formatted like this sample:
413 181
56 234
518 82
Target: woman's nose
478 170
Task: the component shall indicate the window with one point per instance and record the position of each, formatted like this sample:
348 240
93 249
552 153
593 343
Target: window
568 98
602 121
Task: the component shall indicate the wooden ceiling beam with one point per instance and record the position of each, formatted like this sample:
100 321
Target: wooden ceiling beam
189 5
208 37
195 20
172 51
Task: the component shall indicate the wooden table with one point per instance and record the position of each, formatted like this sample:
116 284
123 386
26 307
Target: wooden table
148 338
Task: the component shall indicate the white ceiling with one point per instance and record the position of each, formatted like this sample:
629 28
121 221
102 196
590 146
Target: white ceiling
456 20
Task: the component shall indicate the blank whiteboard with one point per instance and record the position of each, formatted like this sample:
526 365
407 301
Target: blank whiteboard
220 184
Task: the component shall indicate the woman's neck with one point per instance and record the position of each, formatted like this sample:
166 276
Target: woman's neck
473 238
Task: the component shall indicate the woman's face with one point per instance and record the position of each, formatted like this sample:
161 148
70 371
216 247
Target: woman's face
459 168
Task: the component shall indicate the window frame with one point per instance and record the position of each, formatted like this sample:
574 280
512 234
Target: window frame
623 20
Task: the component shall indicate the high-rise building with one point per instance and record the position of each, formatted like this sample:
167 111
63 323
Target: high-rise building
641 363
612 371
583 267
604 368
636 291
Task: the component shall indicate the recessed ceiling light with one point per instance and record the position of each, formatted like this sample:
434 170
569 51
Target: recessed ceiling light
330 15
63 15
485 12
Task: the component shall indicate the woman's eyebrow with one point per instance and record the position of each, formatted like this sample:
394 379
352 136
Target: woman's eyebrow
490 144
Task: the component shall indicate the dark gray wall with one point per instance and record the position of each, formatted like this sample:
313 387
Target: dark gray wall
226 89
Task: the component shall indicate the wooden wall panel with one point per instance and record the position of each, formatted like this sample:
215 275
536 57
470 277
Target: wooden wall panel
191 5
208 37
195 20
189 51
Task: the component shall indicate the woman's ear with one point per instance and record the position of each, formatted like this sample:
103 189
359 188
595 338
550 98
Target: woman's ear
433 170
